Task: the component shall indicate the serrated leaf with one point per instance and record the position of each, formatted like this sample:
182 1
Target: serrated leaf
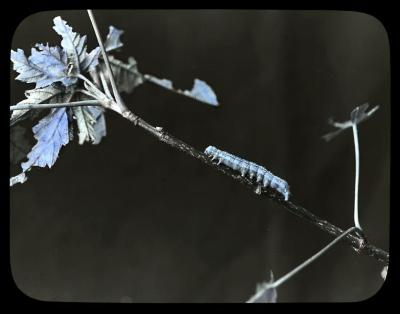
20 178
91 124
200 91
45 66
51 94
265 293
113 40
126 75
19 144
51 133
75 47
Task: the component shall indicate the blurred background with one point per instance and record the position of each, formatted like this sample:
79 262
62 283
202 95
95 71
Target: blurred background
133 220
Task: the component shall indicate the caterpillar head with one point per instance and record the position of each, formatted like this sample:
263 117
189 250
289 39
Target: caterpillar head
210 150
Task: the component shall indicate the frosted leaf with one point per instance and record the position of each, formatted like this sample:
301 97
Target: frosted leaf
203 92
113 40
75 47
50 94
45 66
51 133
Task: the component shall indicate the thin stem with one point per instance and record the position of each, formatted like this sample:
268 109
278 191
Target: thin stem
277 283
56 105
105 100
357 159
86 92
104 84
105 58
82 77
290 274
342 125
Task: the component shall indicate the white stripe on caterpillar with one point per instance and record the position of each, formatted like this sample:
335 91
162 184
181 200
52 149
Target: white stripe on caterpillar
250 169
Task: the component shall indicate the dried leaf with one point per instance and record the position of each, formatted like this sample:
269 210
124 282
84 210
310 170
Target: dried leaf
19 144
358 115
201 91
51 94
91 124
21 178
85 124
75 47
265 293
91 60
161 82
51 133
126 75
113 40
100 129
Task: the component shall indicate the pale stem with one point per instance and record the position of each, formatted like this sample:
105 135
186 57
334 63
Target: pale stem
357 160
105 58
281 280
56 105
105 85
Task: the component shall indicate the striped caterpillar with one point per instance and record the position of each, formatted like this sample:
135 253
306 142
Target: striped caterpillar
251 169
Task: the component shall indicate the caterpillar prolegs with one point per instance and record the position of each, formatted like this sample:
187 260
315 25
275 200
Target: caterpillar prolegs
249 169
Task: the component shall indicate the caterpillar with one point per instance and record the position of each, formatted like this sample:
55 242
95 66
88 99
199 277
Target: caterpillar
250 169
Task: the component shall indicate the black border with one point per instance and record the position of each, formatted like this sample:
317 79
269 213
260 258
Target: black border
12 18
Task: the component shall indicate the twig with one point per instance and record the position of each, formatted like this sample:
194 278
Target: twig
105 58
56 105
357 159
277 283
118 106
357 243
104 84
284 278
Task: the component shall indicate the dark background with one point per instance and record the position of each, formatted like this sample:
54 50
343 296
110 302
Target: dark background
133 220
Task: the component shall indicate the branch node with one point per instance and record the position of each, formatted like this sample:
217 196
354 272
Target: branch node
127 114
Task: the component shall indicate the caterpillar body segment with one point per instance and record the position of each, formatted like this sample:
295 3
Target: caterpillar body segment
250 169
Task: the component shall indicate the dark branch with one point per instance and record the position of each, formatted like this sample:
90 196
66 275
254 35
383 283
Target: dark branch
357 243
